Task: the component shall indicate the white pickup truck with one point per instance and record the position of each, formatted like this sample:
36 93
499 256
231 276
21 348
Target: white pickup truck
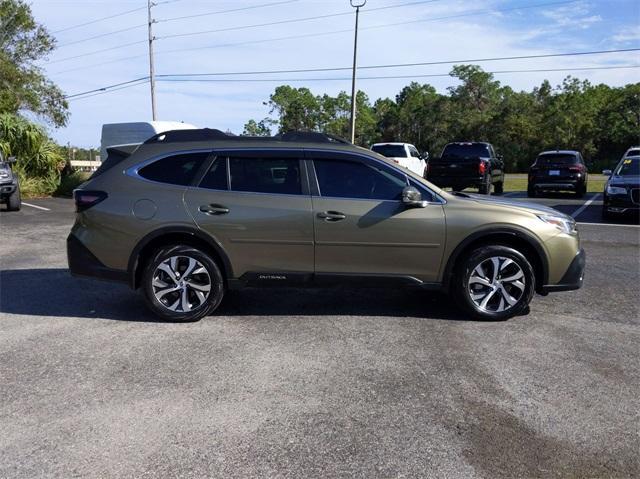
403 154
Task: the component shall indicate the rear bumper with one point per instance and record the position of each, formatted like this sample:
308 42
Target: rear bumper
564 184
83 263
454 182
573 277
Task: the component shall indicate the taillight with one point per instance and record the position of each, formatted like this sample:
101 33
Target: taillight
85 199
482 167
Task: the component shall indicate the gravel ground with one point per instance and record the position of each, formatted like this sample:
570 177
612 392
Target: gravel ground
313 383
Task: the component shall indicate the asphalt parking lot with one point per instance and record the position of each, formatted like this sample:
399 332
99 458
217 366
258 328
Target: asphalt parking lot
315 383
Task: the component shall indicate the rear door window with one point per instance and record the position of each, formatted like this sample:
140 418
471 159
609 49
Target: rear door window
265 175
178 169
557 159
390 151
466 150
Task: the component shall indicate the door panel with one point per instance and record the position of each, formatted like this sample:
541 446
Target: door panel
371 232
258 231
379 237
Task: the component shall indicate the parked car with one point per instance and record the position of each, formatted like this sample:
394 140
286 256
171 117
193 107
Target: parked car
9 185
622 190
633 151
404 154
468 164
559 170
190 214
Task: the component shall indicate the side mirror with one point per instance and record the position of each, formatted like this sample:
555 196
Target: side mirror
412 198
11 159
425 156
606 172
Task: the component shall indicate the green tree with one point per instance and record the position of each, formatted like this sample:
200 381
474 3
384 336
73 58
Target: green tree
260 128
39 160
23 86
295 108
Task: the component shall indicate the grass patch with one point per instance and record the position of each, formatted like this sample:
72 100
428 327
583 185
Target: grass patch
595 183
70 182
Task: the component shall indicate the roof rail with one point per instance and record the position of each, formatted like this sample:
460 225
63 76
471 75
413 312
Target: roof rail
207 134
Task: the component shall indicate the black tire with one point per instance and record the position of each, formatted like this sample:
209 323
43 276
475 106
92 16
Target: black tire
485 188
456 188
14 202
162 307
498 188
605 214
491 311
581 191
531 192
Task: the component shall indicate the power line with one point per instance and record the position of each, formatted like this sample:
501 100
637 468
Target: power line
390 77
102 35
218 12
108 91
72 27
468 14
108 87
400 65
116 47
294 20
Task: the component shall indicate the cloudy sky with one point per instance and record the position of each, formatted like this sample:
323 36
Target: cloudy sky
200 36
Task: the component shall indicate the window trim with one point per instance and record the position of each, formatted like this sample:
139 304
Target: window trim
261 153
354 157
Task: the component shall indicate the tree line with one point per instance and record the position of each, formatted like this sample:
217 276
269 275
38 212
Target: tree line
598 120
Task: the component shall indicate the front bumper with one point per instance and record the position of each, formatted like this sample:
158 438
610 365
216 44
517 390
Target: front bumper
7 189
573 278
83 263
621 204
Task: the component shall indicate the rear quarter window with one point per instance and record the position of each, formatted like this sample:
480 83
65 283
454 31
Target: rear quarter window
175 169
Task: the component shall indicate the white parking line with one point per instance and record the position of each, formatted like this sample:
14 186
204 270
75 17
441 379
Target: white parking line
585 206
36 206
608 224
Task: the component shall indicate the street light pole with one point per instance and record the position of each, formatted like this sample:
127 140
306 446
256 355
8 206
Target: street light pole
152 75
355 4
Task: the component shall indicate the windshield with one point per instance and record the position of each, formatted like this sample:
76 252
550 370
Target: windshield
390 151
466 151
633 153
557 159
629 167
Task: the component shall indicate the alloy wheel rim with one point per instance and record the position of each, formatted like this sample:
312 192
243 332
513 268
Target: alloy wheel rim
496 284
181 284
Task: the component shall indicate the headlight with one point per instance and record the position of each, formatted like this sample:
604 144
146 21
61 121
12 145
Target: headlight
616 190
563 223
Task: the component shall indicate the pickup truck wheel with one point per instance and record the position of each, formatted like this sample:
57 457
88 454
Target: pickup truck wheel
531 192
182 283
499 188
14 202
494 283
485 189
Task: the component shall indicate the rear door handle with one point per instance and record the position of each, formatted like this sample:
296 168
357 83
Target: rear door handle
331 216
214 209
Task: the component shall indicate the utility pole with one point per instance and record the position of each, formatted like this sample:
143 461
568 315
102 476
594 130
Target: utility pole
355 4
152 77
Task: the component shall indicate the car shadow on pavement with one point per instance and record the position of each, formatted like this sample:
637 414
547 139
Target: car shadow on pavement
54 292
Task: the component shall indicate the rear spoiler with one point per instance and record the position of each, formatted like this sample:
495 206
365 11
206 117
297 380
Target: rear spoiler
123 151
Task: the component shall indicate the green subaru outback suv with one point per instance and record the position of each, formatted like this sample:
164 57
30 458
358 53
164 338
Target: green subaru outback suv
190 214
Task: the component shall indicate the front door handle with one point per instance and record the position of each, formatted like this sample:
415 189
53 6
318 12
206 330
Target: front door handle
214 209
331 215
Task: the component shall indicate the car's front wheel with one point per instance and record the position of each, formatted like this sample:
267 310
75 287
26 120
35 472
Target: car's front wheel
182 283
14 202
494 283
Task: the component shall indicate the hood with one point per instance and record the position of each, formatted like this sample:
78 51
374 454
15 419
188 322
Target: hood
515 204
627 180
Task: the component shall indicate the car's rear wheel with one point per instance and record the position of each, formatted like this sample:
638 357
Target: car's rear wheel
485 188
14 202
499 188
494 283
182 283
581 191
531 192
